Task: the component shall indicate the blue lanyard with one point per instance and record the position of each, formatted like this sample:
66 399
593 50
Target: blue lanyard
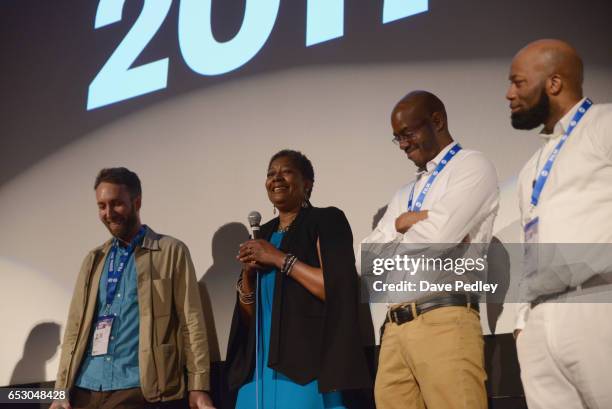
545 172
419 202
115 275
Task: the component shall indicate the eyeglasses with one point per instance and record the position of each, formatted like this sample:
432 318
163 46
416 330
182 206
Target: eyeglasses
406 135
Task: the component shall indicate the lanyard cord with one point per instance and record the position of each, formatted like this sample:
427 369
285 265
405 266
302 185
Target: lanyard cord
421 198
547 168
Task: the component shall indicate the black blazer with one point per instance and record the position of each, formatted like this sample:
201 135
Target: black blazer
310 339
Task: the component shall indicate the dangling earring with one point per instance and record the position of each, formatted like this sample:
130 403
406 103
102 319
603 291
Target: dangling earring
305 204
274 210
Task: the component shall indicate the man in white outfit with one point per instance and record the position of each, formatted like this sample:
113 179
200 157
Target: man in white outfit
565 196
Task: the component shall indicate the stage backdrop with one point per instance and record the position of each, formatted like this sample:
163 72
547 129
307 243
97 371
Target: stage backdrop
195 96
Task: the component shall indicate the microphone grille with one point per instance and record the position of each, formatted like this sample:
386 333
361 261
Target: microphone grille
254 218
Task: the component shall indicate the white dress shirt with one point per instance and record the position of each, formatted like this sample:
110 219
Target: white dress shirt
463 200
575 205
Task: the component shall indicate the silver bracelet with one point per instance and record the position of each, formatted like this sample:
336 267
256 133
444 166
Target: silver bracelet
290 261
290 268
245 298
286 262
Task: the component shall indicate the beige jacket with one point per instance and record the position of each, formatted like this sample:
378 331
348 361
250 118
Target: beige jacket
172 334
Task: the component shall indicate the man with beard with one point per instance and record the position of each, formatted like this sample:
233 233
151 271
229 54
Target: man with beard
135 329
432 351
565 192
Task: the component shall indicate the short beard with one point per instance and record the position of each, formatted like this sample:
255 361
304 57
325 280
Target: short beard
128 227
533 117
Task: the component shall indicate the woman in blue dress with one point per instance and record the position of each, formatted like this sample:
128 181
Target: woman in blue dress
295 341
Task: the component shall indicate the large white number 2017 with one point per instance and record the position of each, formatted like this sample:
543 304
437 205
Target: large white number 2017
116 81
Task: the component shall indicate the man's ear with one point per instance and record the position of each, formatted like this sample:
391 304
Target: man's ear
439 121
554 85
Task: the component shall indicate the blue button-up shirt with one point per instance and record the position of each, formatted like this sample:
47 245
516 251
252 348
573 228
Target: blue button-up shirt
118 369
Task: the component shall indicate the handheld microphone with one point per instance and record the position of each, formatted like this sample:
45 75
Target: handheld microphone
254 220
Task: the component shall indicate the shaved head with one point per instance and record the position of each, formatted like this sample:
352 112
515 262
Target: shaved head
422 102
553 57
545 83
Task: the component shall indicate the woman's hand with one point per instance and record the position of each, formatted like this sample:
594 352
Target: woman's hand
260 253
249 269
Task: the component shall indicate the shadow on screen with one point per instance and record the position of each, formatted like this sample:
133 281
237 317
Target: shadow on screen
40 347
378 215
218 289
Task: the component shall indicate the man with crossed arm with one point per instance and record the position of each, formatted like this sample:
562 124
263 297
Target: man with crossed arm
432 350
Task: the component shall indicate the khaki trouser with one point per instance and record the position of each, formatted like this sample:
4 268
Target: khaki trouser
435 361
